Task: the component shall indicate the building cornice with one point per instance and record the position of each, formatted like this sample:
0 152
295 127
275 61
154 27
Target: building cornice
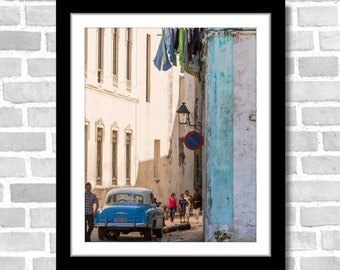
111 93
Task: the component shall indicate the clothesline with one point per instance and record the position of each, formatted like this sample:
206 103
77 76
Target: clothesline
184 42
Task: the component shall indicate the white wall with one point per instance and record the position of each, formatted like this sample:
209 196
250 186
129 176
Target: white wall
149 121
245 137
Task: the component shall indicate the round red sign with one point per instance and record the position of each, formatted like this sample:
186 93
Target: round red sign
193 140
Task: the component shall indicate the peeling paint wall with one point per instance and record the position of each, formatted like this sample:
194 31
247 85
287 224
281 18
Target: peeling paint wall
230 148
219 121
245 137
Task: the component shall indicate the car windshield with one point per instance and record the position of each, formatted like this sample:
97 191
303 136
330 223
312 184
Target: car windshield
124 197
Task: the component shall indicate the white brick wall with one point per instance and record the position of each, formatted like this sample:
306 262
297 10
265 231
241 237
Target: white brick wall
27 135
313 135
27 159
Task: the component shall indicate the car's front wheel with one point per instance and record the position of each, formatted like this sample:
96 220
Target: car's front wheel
101 233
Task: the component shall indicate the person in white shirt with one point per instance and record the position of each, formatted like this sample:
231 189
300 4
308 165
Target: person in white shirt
188 209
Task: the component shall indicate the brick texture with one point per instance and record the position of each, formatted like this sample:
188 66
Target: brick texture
33 193
44 263
10 67
49 220
22 241
320 216
12 167
12 263
41 67
22 141
317 16
42 117
1 192
306 91
299 41
301 241
24 92
312 135
28 135
20 40
9 15
331 240
10 117
313 225
43 167
12 217
302 141
51 42
318 263
318 66
40 15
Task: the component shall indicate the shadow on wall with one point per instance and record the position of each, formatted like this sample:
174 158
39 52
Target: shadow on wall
165 181
169 179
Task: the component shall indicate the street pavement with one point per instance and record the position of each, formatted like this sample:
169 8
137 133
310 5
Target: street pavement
177 232
172 232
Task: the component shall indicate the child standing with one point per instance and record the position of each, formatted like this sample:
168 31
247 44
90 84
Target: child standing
182 204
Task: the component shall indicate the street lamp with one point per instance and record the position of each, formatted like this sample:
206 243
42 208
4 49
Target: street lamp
183 116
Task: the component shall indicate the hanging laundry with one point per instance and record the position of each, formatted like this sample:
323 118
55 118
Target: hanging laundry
159 56
197 41
190 43
196 61
181 47
176 30
161 59
186 42
196 48
169 38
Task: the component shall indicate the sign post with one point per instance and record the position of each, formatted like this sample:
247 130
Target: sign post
193 140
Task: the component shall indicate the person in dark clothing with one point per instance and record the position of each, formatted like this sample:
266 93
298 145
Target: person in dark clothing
90 213
182 204
196 205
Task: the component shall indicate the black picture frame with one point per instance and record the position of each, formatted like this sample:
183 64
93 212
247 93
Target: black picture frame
277 120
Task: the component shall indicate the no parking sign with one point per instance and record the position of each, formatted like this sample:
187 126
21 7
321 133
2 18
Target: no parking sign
193 140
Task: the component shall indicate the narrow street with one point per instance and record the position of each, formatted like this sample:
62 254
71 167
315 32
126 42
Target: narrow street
172 233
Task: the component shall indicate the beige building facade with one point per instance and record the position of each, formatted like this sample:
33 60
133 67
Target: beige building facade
132 134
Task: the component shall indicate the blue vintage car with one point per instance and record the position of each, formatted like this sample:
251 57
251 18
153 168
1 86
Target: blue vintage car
128 210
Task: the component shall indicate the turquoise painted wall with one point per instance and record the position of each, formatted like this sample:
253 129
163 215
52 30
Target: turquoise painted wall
220 93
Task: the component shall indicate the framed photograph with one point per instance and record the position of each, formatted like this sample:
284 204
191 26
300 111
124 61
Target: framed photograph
173 103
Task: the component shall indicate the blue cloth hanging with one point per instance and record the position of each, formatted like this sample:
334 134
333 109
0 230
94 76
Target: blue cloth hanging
169 38
158 58
161 59
166 62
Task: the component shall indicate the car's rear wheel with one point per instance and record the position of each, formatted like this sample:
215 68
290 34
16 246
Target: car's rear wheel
105 233
158 232
148 235
112 235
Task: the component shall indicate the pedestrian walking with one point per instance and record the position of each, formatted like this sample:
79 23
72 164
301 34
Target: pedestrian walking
91 207
197 204
172 206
